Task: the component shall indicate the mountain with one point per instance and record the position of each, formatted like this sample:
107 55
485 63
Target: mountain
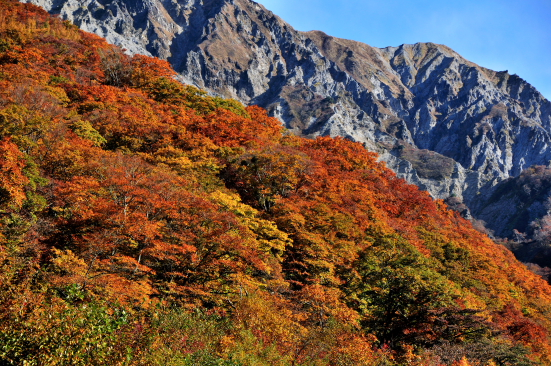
443 123
145 222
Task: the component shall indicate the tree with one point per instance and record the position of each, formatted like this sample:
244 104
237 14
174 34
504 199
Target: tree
404 302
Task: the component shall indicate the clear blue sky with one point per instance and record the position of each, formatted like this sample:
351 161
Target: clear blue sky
512 35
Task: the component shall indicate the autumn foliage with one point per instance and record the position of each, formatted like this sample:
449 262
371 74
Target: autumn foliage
143 222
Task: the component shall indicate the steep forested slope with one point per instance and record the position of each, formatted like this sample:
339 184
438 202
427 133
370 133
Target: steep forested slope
145 223
482 126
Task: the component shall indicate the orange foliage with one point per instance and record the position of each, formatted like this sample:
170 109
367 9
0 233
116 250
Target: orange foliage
521 328
12 178
121 184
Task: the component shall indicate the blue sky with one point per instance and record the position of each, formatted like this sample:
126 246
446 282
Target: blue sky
512 35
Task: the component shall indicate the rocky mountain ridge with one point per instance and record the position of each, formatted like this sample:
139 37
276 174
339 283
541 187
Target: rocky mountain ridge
441 122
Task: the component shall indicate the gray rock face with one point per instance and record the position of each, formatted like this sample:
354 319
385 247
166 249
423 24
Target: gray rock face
440 121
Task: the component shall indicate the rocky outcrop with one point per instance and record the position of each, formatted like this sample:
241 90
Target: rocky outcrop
440 121
519 204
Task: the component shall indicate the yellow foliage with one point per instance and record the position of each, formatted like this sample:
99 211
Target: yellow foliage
271 322
465 362
269 237
68 262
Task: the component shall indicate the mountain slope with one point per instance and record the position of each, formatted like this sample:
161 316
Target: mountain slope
143 222
482 126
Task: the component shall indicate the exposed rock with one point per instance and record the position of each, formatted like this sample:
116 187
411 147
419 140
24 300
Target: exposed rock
481 126
518 203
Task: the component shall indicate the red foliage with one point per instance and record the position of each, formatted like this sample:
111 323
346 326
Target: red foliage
144 181
519 327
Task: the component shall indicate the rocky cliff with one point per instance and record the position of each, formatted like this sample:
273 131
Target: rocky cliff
448 125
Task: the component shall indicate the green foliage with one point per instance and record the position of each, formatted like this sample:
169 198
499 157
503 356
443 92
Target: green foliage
79 335
396 290
72 293
13 229
5 45
84 129
165 90
199 101
231 105
225 240
204 358
501 353
169 91
58 80
251 351
178 337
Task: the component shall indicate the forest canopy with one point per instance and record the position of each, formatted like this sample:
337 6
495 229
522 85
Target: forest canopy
144 222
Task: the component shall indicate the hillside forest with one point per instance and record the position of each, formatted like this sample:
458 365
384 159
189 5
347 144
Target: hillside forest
144 222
